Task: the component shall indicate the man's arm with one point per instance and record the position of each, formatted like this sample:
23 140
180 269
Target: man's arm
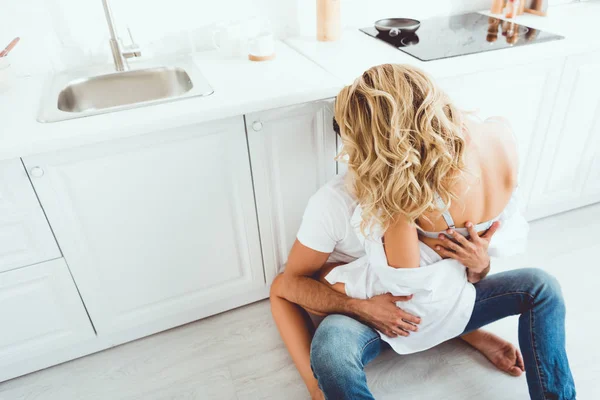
297 285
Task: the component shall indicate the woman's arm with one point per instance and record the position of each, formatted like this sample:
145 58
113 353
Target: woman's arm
293 322
401 244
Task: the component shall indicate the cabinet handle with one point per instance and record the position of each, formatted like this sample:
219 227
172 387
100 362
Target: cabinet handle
257 126
36 172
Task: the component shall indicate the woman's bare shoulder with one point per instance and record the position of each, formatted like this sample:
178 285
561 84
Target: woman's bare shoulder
401 244
501 132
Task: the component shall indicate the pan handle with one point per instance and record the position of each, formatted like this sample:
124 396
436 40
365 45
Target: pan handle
394 32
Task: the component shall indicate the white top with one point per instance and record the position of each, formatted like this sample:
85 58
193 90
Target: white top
442 296
326 223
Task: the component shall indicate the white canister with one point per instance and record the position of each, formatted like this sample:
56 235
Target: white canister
227 38
261 47
6 73
231 38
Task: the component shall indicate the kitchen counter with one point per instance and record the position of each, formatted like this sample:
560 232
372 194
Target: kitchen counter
356 52
304 70
240 87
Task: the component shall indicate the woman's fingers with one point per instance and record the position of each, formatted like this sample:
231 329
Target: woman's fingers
520 362
515 371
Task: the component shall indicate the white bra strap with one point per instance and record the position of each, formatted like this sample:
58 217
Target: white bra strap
446 213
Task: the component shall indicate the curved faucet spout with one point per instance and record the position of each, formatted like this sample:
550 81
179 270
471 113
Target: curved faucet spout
119 51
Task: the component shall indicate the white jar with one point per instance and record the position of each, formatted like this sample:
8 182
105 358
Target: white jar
6 74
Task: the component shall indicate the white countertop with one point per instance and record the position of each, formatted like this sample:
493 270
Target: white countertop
355 52
240 87
243 87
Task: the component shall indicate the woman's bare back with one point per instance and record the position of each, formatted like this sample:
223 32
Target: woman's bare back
491 160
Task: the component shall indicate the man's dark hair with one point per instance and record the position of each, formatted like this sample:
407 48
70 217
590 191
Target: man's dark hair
336 127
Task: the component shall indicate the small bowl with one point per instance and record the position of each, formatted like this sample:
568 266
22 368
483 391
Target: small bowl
397 26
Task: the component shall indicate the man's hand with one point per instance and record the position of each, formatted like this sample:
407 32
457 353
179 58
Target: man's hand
472 252
381 313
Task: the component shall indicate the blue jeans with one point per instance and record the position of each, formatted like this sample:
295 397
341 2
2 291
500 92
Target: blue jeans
343 346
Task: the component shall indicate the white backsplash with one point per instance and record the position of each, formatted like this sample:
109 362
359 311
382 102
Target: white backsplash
59 34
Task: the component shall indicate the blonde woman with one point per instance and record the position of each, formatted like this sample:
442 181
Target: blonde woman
419 172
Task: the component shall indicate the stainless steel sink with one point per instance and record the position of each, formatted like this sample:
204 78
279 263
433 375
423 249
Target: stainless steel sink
132 87
71 95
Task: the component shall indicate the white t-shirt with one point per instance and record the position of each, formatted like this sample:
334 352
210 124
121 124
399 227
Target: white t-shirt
326 223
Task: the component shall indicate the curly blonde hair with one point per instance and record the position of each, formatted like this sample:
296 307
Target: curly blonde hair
403 141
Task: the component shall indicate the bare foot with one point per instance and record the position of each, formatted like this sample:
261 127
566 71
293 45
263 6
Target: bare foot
501 353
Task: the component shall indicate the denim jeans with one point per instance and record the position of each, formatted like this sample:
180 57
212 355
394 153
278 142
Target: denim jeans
343 346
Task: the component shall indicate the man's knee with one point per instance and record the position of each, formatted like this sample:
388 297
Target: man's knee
544 286
336 345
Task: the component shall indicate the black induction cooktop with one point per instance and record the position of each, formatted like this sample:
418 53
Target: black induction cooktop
462 34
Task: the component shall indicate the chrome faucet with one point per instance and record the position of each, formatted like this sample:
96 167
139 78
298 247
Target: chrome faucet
120 52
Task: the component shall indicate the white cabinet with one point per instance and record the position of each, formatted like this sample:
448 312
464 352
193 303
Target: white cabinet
569 170
41 313
25 237
523 94
292 151
158 230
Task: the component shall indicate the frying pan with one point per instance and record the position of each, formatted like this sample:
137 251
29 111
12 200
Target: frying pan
397 26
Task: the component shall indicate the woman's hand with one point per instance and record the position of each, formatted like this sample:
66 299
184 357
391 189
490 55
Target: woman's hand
472 252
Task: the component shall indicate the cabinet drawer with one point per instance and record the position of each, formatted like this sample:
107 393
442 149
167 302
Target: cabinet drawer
41 312
25 237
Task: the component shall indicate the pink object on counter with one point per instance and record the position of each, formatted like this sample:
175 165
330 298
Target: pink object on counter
497 6
510 9
10 46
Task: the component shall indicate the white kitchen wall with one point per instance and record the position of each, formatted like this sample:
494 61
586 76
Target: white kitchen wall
59 34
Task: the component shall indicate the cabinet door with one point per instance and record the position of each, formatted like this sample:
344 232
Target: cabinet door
41 312
159 229
25 237
293 154
569 173
524 95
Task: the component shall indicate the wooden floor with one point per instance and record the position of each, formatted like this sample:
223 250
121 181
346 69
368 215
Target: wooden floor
238 355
